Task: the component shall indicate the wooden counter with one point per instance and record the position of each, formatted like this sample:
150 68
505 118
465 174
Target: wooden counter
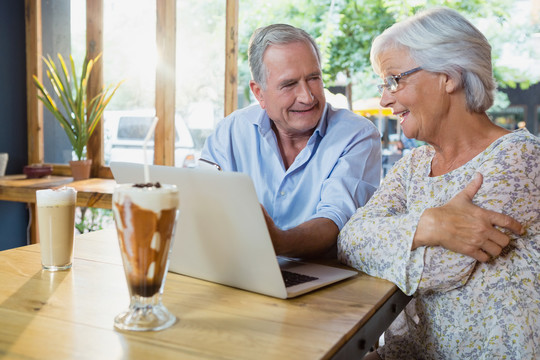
90 193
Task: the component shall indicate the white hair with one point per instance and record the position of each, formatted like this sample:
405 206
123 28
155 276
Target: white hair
274 34
441 40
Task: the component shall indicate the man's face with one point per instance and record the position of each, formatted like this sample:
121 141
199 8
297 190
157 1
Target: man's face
294 95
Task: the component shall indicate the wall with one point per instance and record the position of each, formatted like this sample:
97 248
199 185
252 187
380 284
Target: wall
13 128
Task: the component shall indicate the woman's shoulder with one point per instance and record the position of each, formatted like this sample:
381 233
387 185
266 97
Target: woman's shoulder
518 137
518 143
518 150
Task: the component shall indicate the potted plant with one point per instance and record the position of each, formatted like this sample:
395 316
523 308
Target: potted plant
78 117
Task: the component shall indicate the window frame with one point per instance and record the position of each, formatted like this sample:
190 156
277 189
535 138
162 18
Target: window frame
165 84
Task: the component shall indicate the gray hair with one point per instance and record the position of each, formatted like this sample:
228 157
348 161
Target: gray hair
441 40
269 35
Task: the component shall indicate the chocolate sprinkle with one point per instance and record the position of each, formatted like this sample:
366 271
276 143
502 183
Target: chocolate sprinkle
141 185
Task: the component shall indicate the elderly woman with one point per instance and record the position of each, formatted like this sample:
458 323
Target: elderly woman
456 223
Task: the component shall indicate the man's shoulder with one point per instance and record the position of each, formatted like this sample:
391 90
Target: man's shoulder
345 118
238 119
250 112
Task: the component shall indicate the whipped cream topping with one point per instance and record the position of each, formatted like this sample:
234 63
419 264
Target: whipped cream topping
150 198
56 197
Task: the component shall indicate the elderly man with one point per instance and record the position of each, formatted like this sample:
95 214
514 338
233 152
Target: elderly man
312 165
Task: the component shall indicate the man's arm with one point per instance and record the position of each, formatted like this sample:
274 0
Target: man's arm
312 238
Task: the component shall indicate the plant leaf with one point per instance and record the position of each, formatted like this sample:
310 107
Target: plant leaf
77 120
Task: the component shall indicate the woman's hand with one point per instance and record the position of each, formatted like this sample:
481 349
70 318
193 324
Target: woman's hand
465 228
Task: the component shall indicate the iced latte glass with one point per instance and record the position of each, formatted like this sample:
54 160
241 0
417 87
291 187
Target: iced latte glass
56 226
145 217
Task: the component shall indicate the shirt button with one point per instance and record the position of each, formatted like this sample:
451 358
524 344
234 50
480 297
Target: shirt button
282 193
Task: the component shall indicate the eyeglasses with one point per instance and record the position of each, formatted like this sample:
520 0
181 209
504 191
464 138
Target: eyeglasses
391 82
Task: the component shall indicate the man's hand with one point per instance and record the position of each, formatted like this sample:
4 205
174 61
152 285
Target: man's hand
275 232
465 228
313 238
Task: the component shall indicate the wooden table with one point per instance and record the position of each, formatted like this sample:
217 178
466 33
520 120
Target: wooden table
69 314
90 193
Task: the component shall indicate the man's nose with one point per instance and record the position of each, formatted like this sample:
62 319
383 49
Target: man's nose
304 94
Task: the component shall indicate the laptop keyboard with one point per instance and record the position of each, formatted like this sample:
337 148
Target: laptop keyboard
292 279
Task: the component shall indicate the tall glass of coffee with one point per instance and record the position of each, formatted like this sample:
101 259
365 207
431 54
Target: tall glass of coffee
56 226
145 217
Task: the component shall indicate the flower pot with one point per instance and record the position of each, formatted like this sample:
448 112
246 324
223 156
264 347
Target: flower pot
80 169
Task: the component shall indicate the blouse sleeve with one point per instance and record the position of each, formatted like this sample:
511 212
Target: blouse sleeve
377 239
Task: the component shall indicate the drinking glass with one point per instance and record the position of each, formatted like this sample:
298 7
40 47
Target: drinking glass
145 218
55 209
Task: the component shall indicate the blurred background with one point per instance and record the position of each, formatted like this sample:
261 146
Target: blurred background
343 29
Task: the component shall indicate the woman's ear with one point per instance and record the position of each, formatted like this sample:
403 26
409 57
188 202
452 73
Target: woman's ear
450 84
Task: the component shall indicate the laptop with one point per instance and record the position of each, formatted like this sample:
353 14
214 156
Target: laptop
221 234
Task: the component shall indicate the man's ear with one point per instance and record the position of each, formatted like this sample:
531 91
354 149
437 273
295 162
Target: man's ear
257 92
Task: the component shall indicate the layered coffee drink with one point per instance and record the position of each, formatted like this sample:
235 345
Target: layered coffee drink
145 221
145 216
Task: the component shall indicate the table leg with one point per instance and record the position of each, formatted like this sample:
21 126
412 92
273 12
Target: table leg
360 344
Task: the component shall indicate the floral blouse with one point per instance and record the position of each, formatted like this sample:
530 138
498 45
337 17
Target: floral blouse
461 308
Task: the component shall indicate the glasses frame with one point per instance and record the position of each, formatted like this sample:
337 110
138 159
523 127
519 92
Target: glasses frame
392 82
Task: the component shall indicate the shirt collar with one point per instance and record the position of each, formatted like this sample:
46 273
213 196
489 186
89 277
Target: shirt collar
323 123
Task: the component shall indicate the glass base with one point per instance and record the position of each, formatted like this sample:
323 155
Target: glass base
56 268
143 316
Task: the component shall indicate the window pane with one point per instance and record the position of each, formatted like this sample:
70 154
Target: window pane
56 22
129 48
200 72
78 30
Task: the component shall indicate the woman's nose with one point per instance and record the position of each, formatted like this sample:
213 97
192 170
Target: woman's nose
387 98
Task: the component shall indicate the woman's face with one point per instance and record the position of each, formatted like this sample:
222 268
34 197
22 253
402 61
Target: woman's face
420 101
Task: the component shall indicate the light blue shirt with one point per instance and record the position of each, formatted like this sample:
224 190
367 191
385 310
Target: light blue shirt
337 171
